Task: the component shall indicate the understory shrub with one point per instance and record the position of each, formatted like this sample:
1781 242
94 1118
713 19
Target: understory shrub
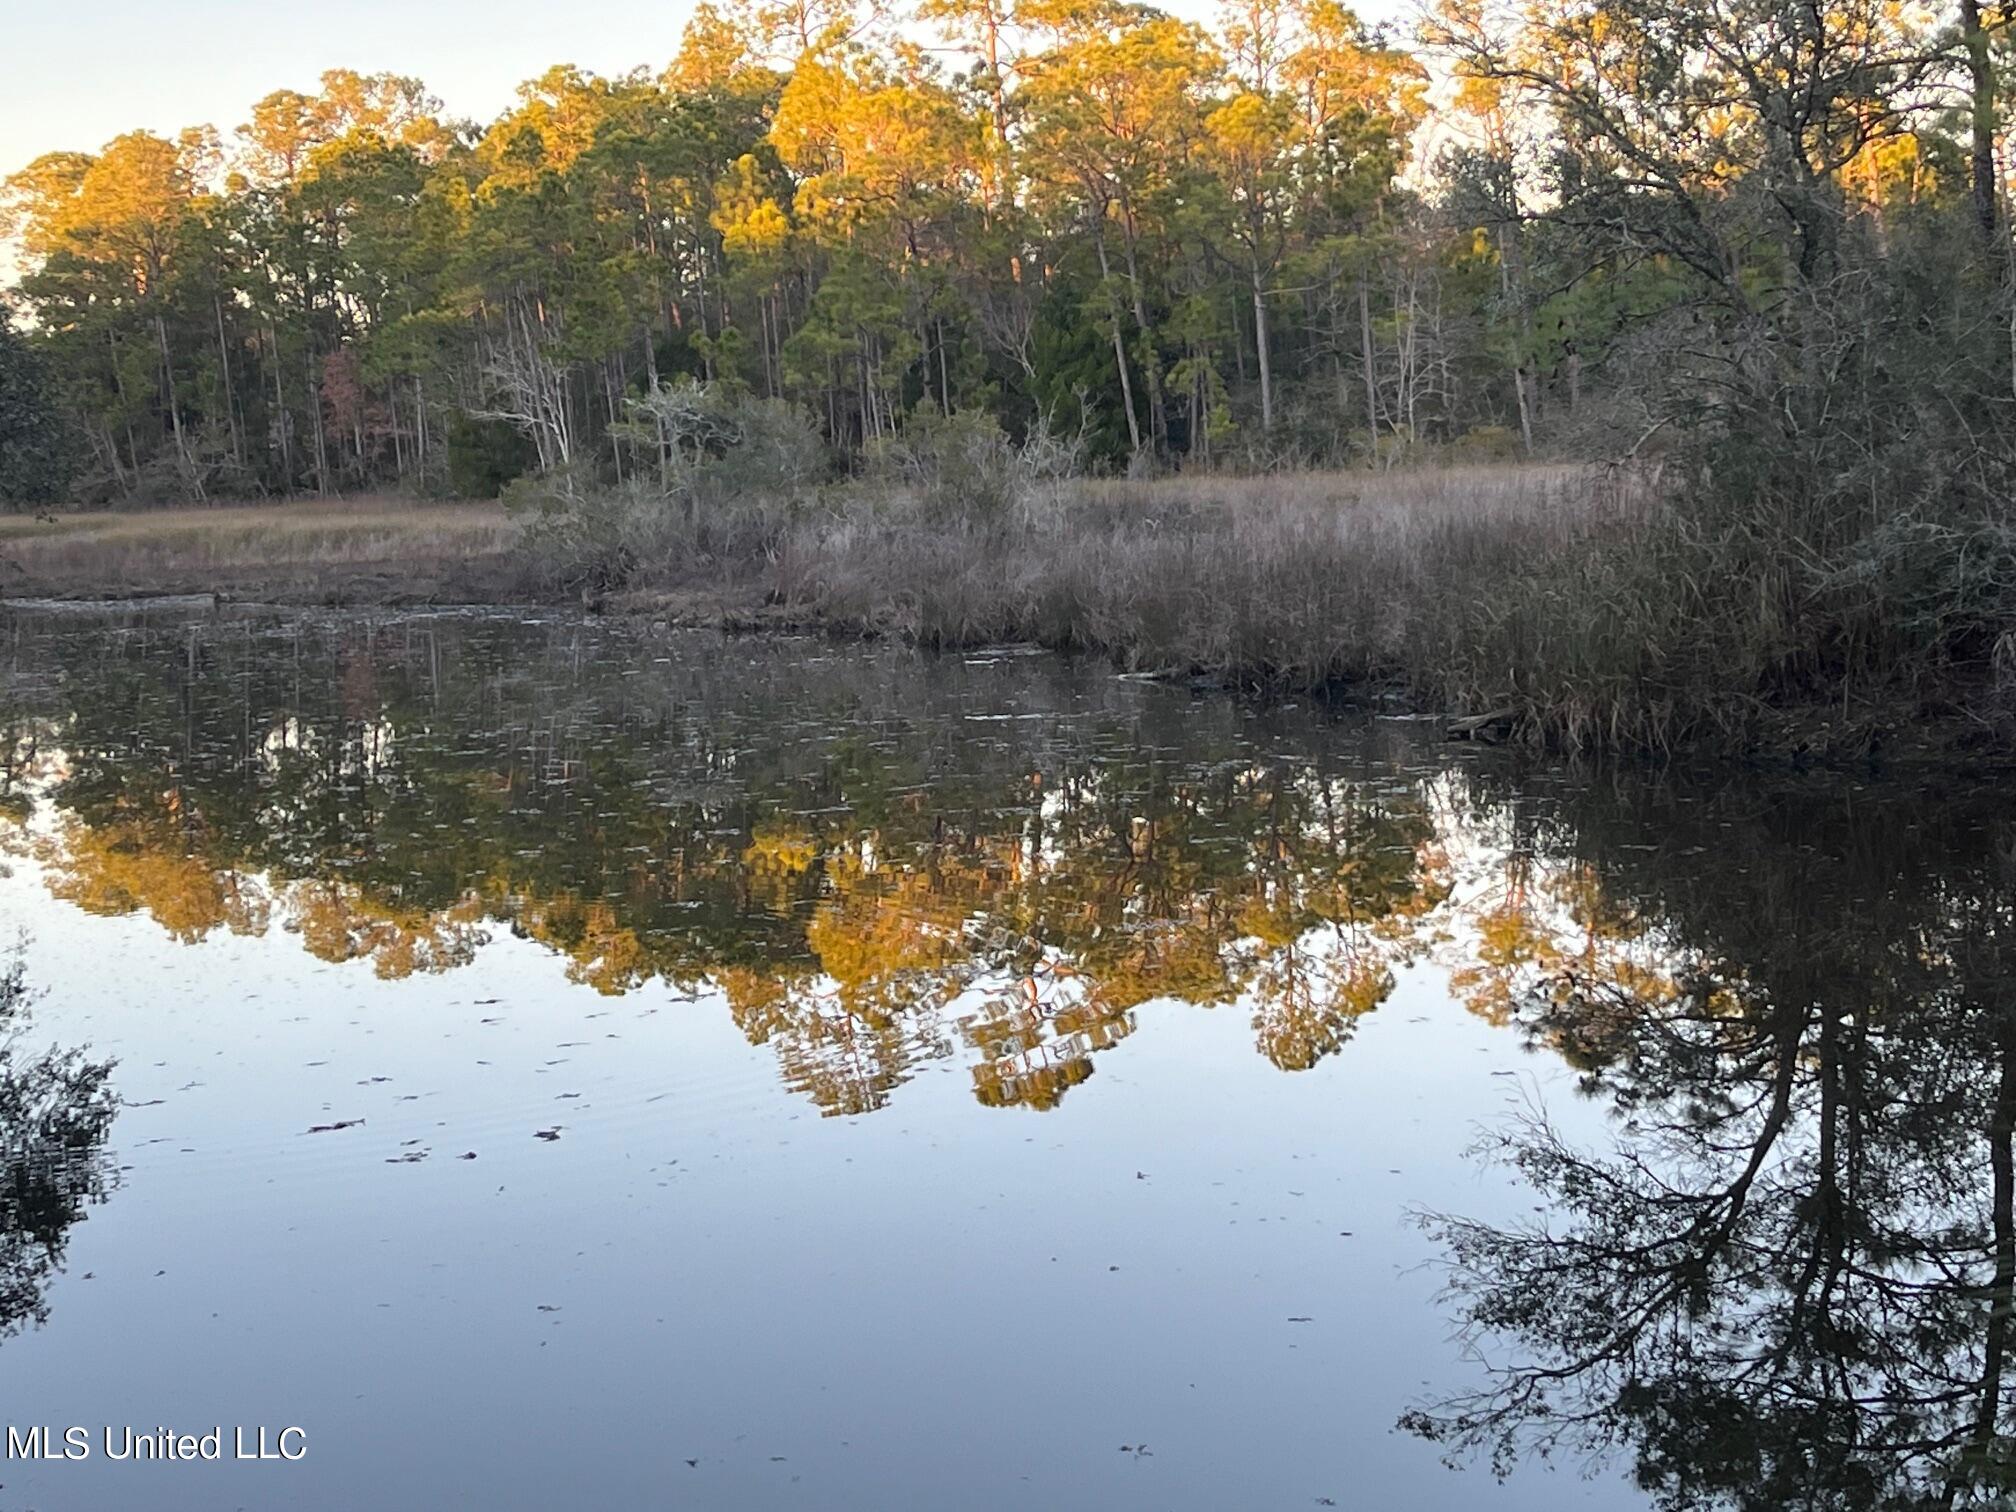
715 478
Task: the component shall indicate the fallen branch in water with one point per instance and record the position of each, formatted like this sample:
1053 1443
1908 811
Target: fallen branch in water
1493 727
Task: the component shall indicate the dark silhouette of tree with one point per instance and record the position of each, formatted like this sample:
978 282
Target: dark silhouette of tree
1790 1282
56 1109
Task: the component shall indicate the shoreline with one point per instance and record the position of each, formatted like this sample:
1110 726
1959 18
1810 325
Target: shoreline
1386 592
1801 737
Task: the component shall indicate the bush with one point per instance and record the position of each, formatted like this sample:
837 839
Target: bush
1487 443
718 477
484 456
959 465
962 467
708 444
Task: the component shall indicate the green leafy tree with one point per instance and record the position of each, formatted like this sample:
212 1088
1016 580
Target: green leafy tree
36 454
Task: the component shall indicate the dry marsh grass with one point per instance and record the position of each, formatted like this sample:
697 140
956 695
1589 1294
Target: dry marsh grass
1303 581
1544 594
395 545
1586 607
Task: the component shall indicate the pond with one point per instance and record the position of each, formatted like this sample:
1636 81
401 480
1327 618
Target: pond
554 1063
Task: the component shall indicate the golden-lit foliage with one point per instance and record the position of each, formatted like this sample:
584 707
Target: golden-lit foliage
810 200
1555 933
151 864
338 922
1190 243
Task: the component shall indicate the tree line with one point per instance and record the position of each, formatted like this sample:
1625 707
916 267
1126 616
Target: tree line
1281 240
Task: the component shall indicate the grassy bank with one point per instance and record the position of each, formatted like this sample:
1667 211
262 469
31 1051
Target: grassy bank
364 550
1602 607
1304 582
1577 607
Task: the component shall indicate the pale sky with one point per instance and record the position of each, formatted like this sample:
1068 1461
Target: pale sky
78 74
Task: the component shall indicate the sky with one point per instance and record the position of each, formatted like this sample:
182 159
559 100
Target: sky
78 75
163 66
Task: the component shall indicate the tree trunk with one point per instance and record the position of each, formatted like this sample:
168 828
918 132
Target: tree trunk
2001 1296
1119 343
1261 347
1156 426
1981 109
315 428
182 452
1371 373
230 391
280 416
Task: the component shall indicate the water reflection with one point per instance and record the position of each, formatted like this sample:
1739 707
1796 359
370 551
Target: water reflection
870 877
1789 1283
56 1109
1786 1281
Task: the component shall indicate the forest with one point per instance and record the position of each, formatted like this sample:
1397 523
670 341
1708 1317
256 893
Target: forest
1755 257
1108 222
1286 240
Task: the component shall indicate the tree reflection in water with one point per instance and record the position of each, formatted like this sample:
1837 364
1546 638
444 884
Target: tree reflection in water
868 862
1789 1282
56 1108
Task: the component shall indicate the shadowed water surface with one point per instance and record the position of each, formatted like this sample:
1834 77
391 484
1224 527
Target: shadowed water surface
562 1065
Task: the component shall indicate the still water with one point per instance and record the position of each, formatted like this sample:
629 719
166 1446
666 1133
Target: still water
560 1065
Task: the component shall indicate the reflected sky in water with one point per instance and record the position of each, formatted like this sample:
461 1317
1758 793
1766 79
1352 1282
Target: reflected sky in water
563 1064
